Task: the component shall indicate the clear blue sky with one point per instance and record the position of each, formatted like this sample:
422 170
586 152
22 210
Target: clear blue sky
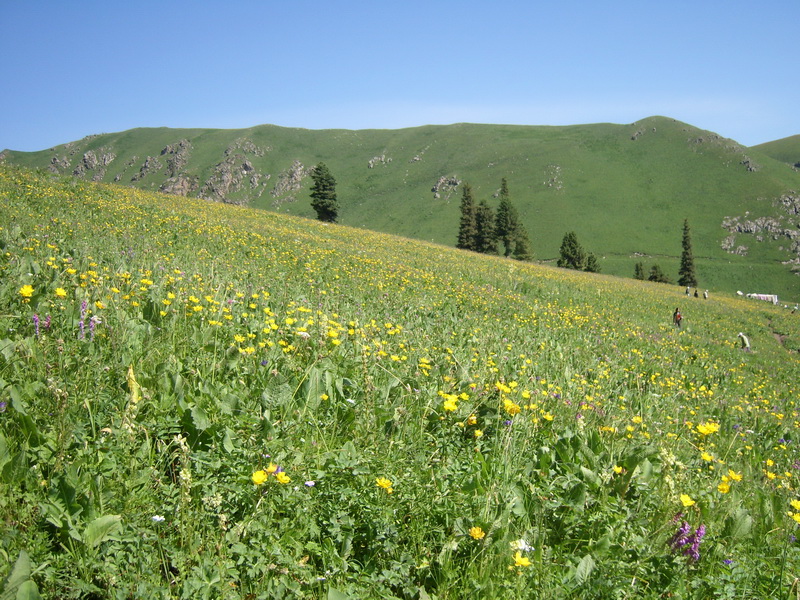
70 69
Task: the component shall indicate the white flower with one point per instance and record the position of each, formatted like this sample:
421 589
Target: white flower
158 518
521 545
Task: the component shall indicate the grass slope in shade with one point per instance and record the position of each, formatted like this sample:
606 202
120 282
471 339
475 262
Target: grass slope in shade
625 190
206 401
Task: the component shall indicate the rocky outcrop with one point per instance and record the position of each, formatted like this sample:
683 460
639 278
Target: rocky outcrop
378 160
180 185
289 182
92 163
775 227
246 146
177 157
151 165
445 185
230 176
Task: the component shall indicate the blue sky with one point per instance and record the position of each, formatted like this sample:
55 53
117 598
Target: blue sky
70 69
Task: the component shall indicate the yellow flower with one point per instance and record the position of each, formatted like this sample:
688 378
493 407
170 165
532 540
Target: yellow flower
26 291
707 457
617 469
521 561
795 504
272 468
61 293
472 420
450 405
384 483
476 533
478 433
724 487
686 500
737 476
708 428
282 477
259 477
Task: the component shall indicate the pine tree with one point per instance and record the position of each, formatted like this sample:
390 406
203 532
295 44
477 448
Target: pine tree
572 255
592 266
485 239
467 228
323 194
638 271
522 245
657 275
507 220
686 275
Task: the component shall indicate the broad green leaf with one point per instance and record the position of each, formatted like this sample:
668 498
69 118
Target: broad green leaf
101 529
19 574
584 569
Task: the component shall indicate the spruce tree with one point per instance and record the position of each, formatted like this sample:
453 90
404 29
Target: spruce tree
323 194
592 266
657 275
467 228
572 255
686 275
485 239
522 245
507 220
638 271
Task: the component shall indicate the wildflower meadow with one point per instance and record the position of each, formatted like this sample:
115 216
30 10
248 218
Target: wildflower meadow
200 400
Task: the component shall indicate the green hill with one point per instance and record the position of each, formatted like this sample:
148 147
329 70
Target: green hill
785 150
624 189
200 400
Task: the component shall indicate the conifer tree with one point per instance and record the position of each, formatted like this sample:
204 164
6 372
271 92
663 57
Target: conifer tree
657 275
522 245
467 229
485 239
507 220
572 255
686 275
592 266
638 271
323 194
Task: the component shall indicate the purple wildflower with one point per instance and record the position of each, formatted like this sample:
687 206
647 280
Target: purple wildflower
680 539
47 322
687 541
81 324
2 407
36 324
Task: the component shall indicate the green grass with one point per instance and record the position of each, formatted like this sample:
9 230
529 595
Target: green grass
621 195
543 432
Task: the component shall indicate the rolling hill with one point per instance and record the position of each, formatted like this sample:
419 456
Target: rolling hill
624 189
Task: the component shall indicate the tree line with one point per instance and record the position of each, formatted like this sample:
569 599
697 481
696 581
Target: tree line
482 229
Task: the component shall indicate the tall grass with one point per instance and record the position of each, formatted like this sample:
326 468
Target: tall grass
206 401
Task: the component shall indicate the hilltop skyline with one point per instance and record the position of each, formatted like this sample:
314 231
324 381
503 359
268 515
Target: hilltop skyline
361 65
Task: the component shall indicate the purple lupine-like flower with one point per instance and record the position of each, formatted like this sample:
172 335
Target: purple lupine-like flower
36 324
693 541
3 407
681 537
93 322
47 322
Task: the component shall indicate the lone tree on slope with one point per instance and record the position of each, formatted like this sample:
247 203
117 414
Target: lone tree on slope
323 194
686 275
467 228
572 255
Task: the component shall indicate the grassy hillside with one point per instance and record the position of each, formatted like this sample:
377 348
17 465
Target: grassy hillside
624 189
205 401
785 150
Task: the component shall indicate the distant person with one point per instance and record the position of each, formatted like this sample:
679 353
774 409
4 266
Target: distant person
745 342
696 295
677 318
705 295
688 291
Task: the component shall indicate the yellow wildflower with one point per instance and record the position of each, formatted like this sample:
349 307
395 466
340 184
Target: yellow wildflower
259 477
521 561
26 291
686 500
384 483
476 533
282 477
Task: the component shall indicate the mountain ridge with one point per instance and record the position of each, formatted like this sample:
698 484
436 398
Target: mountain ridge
624 188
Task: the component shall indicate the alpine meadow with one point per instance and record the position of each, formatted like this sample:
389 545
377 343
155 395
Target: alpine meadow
625 190
203 400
